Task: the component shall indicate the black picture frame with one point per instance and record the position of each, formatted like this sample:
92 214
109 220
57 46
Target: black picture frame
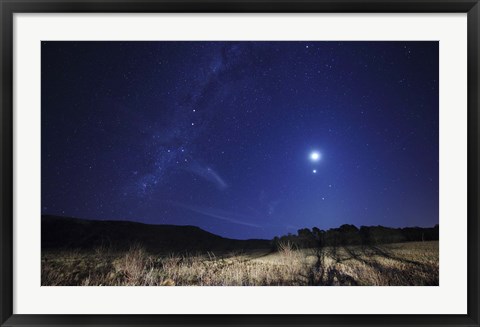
9 7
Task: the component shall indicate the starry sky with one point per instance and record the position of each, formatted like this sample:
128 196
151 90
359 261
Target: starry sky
243 139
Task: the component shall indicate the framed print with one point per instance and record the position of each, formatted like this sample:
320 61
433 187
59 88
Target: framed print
239 163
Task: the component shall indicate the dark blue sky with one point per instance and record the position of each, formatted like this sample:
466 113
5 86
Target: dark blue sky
220 134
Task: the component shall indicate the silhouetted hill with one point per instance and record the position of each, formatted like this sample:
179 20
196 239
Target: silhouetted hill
73 233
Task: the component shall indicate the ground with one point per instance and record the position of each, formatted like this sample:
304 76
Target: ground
413 263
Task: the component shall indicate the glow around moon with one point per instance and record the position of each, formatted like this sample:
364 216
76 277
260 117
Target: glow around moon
315 156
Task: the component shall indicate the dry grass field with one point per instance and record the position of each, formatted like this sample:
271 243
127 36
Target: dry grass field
414 263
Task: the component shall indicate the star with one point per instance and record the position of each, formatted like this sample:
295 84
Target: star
314 171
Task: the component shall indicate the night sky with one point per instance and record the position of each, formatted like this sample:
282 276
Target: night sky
243 139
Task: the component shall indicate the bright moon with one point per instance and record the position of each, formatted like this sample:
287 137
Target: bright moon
315 156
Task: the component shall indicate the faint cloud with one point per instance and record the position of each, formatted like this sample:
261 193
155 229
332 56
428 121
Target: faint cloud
208 174
232 217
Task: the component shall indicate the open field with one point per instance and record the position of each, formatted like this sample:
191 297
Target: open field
413 263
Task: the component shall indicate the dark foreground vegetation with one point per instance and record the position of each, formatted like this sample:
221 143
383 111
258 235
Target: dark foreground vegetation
351 235
83 252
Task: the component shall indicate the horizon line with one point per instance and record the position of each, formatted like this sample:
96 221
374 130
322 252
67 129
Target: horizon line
188 225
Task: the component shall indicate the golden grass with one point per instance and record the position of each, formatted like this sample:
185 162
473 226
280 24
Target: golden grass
413 263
